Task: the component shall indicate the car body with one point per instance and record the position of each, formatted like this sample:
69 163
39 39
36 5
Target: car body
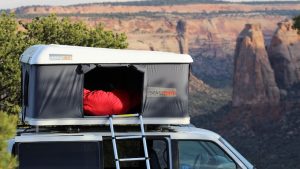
174 147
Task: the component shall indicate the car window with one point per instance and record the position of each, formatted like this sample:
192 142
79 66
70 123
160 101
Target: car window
203 155
59 155
159 154
157 151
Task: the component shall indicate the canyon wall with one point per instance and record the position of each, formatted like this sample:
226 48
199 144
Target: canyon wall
209 36
179 8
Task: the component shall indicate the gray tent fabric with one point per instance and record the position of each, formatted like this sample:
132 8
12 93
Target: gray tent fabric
167 90
24 86
56 91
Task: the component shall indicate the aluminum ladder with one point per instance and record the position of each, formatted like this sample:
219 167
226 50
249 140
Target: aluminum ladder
115 138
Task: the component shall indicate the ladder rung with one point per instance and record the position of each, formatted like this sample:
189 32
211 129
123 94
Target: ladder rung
128 137
133 159
125 115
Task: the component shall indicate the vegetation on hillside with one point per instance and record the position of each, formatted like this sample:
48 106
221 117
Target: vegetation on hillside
297 23
208 101
267 141
184 2
204 99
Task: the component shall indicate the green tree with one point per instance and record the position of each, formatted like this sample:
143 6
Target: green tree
15 38
296 24
11 46
52 30
7 131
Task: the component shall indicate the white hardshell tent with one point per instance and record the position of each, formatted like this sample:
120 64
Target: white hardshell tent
54 76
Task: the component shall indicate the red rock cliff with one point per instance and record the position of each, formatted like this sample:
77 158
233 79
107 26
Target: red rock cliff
284 55
254 81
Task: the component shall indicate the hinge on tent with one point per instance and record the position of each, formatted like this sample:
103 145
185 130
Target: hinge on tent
29 58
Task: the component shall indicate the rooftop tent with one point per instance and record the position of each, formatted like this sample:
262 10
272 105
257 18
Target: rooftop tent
54 77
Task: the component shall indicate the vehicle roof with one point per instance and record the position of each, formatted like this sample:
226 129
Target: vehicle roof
174 132
63 54
193 132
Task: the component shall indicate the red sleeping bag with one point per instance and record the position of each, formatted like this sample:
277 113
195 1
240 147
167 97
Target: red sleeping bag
99 102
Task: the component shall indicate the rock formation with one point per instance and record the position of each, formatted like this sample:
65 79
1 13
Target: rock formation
284 55
182 36
254 81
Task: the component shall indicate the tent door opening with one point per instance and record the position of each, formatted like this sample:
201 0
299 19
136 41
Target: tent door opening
112 90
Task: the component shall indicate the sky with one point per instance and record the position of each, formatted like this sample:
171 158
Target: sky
6 4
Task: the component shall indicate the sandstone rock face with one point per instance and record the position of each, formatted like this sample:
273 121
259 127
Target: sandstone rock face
284 55
254 81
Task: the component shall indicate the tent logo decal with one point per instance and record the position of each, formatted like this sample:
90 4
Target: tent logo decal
60 57
161 92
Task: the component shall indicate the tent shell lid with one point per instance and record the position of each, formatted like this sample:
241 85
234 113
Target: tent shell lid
63 54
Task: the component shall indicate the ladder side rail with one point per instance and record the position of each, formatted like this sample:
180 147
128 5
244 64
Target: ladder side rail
144 142
114 142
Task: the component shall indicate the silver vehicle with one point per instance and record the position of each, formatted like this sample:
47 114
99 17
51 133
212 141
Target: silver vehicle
155 134
173 147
